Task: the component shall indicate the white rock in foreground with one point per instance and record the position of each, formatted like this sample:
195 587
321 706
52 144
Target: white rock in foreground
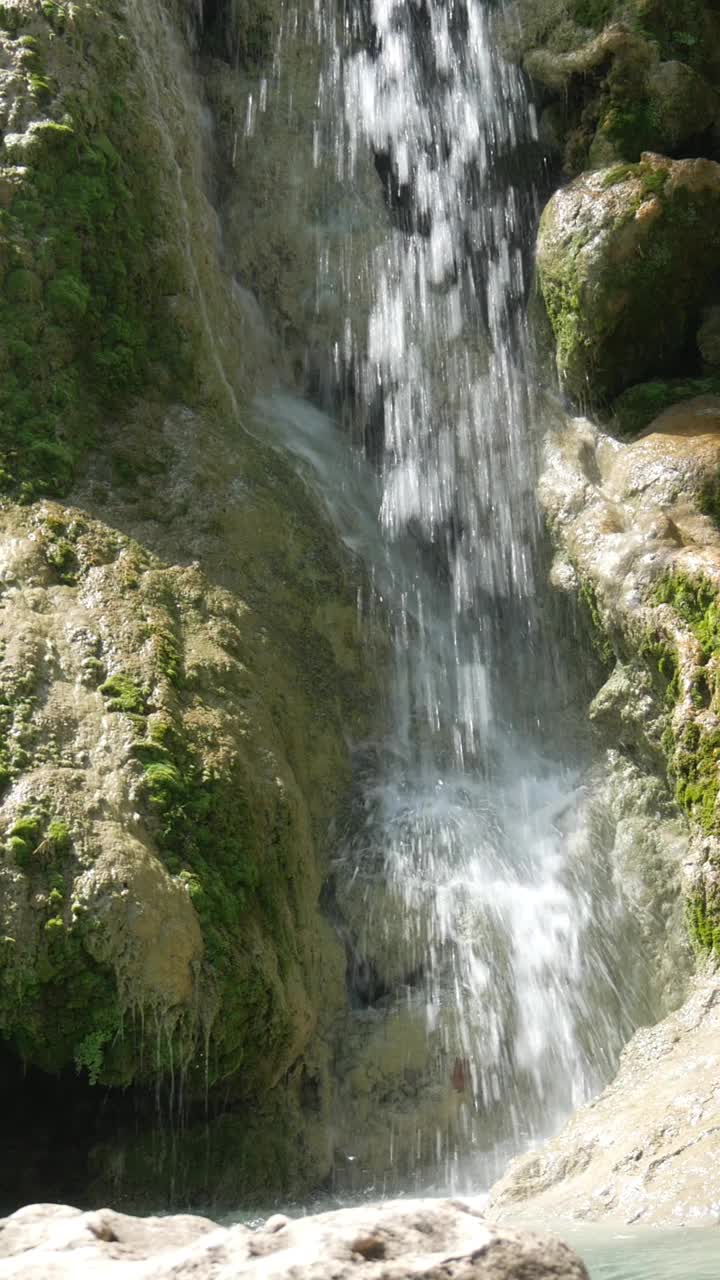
396 1240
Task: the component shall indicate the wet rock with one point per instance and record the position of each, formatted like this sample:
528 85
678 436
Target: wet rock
638 525
392 1241
627 258
648 1149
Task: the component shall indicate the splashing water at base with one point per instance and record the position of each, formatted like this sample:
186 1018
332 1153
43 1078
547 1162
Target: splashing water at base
471 894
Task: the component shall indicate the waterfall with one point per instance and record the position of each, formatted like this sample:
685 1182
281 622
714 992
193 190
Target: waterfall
478 901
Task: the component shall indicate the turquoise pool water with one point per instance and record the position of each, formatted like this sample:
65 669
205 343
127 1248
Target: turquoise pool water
627 1254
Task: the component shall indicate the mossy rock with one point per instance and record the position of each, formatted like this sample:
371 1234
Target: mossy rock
627 75
627 258
180 866
88 242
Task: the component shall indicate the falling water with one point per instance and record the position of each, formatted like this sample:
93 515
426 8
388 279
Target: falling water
467 873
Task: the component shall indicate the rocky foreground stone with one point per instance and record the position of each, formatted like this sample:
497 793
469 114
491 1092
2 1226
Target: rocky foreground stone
426 1239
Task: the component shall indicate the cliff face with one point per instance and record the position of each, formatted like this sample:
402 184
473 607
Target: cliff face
627 271
182 663
627 275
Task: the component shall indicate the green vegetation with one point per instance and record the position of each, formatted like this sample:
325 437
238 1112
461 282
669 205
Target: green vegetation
47 1004
693 754
661 660
704 922
696 602
211 833
682 29
598 631
84 322
124 694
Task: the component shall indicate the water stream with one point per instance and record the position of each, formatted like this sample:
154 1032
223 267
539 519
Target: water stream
470 877
469 864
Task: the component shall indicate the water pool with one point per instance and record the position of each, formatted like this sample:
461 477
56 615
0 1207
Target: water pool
627 1254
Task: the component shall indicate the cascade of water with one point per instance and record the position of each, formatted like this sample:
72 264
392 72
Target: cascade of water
472 844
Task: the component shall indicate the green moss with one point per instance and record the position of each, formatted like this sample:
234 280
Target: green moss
661 659
694 755
58 834
84 321
124 694
598 631
620 173
24 837
630 123
57 995
696 766
212 837
704 922
695 601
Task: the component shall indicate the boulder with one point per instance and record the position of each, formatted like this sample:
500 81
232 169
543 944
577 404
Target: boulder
627 258
395 1240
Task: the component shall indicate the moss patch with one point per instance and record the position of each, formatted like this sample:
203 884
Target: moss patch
86 263
693 751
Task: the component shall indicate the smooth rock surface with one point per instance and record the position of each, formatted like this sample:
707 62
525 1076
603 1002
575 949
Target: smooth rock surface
627 259
396 1240
648 1149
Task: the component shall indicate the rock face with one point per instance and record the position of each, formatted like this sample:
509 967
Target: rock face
646 1151
390 1241
181 660
637 535
617 79
627 258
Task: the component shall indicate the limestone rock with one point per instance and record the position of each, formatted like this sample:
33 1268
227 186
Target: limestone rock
555 69
180 660
389 1241
646 1151
638 524
626 259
